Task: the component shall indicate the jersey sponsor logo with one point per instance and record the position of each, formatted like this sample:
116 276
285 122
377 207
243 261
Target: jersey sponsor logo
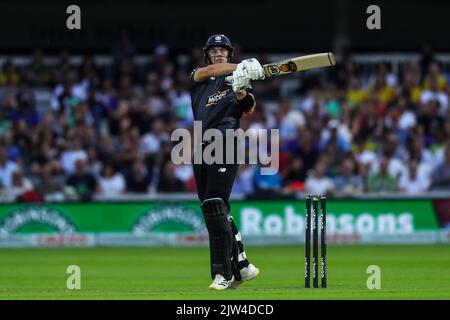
222 170
216 97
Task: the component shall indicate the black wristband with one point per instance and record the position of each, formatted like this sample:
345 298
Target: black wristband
247 103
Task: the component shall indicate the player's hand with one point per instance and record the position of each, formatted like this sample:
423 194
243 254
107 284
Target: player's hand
254 69
240 80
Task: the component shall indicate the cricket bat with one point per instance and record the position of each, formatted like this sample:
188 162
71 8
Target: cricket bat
296 64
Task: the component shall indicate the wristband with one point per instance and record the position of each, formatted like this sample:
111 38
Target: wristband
247 103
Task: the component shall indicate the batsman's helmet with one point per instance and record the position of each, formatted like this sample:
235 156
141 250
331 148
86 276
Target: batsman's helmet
218 40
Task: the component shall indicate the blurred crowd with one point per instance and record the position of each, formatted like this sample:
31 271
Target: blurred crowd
106 129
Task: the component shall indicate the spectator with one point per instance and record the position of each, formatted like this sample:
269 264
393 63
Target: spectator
138 178
168 182
362 171
38 74
437 149
430 120
338 134
7 168
110 183
69 93
291 120
434 94
150 143
83 182
435 75
19 185
44 157
355 95
294 176
382 181
426 161
266 182
402 119
105 148
317 182
22 137
381 92
363 152
181 101
411 84
366 123
305 147
410 183
9 76
244 180
94 166
183 172
49 183
313 102
441 175
427 57
347 182
396 167
160 59
71 155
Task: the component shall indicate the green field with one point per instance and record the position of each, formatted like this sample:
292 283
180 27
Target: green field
407 272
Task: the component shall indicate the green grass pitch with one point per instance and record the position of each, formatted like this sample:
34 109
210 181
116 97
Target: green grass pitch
407 272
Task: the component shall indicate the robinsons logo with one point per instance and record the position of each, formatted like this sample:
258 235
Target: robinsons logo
49 217
184 217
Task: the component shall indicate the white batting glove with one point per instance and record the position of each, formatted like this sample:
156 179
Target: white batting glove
254 69
240 80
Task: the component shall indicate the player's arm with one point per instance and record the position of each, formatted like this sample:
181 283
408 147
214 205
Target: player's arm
241 83
246 100
214 70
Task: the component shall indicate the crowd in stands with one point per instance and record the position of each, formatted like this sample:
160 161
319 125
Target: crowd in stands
106 129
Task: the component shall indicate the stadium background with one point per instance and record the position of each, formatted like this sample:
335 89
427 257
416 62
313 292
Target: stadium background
86 117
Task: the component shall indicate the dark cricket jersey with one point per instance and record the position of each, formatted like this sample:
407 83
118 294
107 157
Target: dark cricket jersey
215 104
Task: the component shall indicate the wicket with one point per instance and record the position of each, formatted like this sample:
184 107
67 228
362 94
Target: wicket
311 222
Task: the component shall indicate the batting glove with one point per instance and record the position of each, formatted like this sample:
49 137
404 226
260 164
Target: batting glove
254 69
240 80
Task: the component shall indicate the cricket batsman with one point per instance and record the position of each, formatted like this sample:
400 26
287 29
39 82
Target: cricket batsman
219 104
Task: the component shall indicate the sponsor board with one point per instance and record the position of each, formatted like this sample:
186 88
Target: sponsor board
444 236
36 217
16 241
49 240
127 239
201 240
181 223
174 214
419 237
154 239
343 217
64 240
